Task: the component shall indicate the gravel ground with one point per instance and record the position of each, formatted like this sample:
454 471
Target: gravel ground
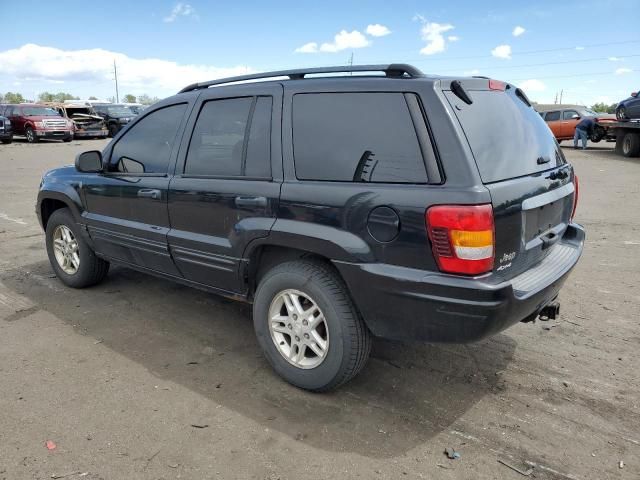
122 376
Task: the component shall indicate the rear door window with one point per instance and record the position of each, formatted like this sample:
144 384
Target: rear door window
507 137
232 138
356 137
569 114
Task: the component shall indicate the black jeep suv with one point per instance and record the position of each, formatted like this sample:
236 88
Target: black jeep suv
403 206
115 115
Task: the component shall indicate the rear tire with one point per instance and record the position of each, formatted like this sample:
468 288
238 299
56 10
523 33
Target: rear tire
67 140
7 141
346 339
74 262
631 145
31 135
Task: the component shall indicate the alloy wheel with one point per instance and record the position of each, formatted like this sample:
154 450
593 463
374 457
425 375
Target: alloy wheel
298 329
65 249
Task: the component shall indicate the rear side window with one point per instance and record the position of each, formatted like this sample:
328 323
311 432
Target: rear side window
356 137
552 116
146 146
569 114
231 138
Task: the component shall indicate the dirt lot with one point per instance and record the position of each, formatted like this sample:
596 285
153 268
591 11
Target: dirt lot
121 376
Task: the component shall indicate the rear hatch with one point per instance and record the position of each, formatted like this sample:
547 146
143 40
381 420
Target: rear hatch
522 166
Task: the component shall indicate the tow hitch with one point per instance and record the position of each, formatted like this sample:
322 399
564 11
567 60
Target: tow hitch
550 312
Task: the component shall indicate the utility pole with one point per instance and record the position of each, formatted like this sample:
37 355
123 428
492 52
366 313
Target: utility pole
555 102
351 63
115 72
561 92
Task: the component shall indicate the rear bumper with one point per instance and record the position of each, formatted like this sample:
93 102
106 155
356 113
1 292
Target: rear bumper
401 303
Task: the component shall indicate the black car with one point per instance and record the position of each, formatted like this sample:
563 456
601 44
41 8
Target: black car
6 132
629 108
341 207
116 116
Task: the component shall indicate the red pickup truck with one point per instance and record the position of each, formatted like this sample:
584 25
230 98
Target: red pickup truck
37 121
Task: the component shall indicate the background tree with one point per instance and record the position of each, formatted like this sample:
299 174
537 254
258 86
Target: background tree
128 98
112 99
92 98
11 97
55 97
145 99
604 108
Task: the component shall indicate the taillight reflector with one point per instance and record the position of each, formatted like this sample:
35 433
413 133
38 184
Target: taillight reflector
575 196
462 237
497 85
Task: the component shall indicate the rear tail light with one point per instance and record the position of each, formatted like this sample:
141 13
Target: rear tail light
575 196
462 237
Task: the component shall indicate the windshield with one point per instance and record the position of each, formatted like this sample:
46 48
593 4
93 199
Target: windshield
589 113
73 111
39 112
118 110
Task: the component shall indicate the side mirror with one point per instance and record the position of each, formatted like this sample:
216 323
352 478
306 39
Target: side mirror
576 117
89 162
634 94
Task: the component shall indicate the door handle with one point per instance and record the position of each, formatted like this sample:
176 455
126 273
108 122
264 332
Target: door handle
149 193
251 201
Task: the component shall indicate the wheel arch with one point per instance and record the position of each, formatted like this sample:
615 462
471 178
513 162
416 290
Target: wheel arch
51 200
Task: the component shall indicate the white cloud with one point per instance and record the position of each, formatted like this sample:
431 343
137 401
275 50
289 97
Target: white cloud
377 30
518 30
431 32
311 47
502 51
532 85
95 66
614 59
623 70
453 38
181 10
345 40
579 48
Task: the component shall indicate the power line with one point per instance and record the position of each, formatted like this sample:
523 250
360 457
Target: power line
586 60
526 52
586 74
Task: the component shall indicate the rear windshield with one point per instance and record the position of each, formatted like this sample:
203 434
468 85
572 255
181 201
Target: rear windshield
508 138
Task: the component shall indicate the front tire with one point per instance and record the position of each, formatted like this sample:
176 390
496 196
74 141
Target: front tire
621 114
308 327
71 257
113 130
31 135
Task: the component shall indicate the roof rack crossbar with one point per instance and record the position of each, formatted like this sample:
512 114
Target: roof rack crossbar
395 70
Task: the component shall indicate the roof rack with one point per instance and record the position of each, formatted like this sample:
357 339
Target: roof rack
395 70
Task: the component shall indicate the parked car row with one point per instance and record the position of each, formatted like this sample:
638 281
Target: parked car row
562 120
64 121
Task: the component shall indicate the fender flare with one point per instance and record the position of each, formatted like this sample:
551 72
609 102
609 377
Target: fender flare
330 242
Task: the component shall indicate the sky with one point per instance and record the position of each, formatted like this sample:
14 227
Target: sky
589 50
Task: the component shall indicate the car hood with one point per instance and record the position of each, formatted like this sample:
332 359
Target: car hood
64 172
39 118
